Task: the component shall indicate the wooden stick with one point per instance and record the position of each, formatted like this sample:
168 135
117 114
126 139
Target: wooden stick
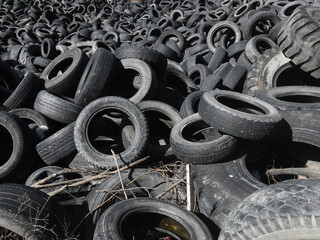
119 174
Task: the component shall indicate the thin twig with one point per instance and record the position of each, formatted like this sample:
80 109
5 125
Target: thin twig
100 176
115 159
168 189
120 190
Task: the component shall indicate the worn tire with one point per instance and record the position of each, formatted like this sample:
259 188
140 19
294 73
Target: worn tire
39 125
151 184
292 97
299 39
152 57
96 77
109 223
25 91
221 187
98 158
239 115
57 146
17 147
56 108
214 149
67 82
264 72
30 213
287 210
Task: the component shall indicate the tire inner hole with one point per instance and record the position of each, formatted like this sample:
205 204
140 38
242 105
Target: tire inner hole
104 131
127 84
60 68
299 98
6 143
241 106
200 131
262 46
285 157
292 75
146 225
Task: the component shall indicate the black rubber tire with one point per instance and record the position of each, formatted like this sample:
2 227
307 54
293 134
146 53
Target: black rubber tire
249 25
221 187
158 146
198 73
20 146
97 158
292 97
24 92
264 72
300 126
235 77
144 88
217 148
239 115
10 77
217 58
30 213
96 77
299 37
190 104
166 35
237 48
109 223
48 48
156 60
40 126
67 82
287 210
244 61
276 29
58 146
151 184
252 51
166 51
218 26
56 108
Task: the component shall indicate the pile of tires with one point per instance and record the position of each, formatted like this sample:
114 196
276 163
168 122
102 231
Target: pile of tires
159 119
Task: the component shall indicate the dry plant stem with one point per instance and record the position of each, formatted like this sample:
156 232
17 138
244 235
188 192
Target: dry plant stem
100 176
168 189
115 159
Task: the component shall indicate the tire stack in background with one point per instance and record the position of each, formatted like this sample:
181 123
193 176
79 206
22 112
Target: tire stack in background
104 104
